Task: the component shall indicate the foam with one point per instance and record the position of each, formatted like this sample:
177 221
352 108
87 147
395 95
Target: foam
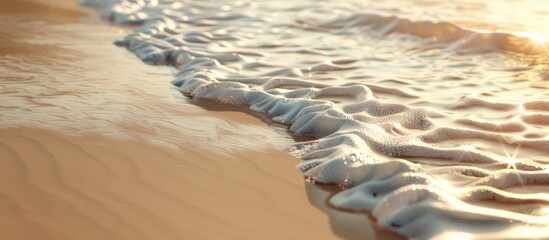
393 127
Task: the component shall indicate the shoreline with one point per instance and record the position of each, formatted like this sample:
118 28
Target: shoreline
156 166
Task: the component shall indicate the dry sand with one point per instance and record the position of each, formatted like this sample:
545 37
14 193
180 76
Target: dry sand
96 145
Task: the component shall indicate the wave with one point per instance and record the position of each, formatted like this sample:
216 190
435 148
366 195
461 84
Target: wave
397 148
440 34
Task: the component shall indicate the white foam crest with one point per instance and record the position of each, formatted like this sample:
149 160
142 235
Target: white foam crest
395 144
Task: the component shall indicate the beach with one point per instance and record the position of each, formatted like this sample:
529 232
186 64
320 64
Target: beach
356 119
95 144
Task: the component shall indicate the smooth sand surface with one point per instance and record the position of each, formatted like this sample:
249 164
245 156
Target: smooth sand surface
91 187
96 145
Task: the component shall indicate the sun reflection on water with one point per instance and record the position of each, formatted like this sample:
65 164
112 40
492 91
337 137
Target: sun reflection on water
511 159
534 37
539 41
511 162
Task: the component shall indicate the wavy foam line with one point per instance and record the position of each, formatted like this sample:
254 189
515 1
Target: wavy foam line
358 144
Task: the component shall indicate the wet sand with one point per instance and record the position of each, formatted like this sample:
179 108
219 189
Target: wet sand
97 145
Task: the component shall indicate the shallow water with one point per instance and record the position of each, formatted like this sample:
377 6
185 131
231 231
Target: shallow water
432 115
62 86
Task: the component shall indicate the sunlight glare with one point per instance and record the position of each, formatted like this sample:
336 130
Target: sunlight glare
511 161
535 37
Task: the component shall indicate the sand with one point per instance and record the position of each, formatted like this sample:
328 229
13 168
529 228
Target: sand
97 145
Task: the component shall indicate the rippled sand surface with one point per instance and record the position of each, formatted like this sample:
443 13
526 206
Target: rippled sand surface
95 144
431 115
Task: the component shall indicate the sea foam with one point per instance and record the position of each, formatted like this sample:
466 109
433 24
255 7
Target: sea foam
420 121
